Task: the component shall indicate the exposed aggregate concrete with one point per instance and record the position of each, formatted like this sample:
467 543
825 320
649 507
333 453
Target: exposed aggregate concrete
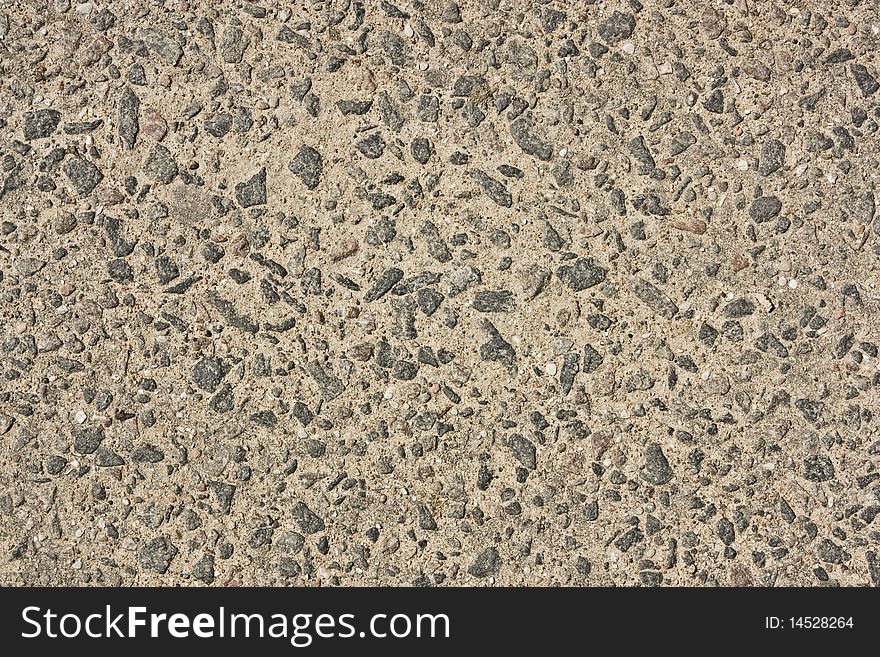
491 292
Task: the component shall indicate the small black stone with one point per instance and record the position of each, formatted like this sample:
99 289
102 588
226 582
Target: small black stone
308 165
486 563
147 453
40 124
157 555
494 301
818 468
421 150
616 27
583 273
87 439
772 157
308 521
725 531
209 371
739 308
657 470
252 192
523 450
372 147
83 175
764 208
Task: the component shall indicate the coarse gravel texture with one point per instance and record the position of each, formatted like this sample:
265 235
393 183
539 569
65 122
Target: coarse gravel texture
499 292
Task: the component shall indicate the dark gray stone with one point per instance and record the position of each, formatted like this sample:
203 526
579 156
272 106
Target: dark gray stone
421 150
428 109
739 308
290 542
486 563
372 147
839 56
772 157
160 165
493 188
583 273
426 519
405 370
260 537
147 453
107 458
725 531
639 150
204 569
568 371
354 107
157 555
591 511
120 271
129 121
616 27
308 165
308 521
592 359
166 270
811 410
265 418
494 301
388 279
136 75
163 45
328 383
867 83
224 493
220 125
40 124
497 349
764 208
657 470
830 552
873 560
233 43
632 536
428 300
715 102
252 192
55 464
212 252
302 413
818 468
529 140
523 450
83 175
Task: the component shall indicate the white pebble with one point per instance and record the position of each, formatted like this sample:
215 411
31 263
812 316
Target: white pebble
792 283
629 48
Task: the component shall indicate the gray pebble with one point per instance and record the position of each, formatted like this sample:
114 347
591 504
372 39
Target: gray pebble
308 165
